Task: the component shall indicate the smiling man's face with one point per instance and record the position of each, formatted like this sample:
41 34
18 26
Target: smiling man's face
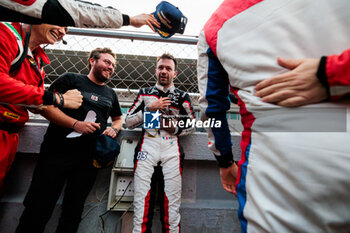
48 34
103 67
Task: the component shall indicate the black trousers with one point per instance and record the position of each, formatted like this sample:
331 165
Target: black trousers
50 175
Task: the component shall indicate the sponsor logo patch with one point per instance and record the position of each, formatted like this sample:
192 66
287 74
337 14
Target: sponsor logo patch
11 115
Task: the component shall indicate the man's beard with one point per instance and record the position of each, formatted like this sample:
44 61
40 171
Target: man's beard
98 75
164 83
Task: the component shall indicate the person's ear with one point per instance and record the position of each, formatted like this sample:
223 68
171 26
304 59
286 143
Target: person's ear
92 61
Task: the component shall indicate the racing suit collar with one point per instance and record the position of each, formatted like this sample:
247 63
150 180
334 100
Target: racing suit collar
161 88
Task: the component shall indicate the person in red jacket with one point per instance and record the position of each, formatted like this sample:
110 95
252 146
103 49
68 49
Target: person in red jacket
24 86
309 81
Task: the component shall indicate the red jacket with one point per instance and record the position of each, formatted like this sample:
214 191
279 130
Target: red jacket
337 69
25 85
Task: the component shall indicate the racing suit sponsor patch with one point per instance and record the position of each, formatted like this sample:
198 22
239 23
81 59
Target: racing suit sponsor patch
11 115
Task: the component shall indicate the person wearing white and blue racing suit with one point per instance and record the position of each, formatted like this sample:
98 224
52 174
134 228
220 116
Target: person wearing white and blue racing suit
293 175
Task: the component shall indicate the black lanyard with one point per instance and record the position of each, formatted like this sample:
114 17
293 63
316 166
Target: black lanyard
36 67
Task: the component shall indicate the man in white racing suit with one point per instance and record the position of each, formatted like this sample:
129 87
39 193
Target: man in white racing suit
159 157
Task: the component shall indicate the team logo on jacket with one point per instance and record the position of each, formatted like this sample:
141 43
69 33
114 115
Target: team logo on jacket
95 98
151 120
142 155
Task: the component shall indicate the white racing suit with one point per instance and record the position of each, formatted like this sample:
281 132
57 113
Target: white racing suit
159 158
62 12
294 173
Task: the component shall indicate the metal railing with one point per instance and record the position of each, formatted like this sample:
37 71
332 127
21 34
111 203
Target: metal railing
136 58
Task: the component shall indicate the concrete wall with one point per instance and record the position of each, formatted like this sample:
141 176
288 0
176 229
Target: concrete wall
206 207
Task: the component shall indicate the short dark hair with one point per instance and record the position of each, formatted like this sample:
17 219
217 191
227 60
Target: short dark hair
95 54
167 56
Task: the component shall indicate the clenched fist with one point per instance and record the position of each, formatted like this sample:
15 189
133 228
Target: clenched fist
72 99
